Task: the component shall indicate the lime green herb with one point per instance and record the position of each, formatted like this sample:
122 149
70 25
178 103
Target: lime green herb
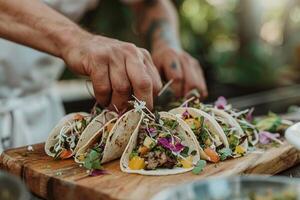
92 160
199 167
225 153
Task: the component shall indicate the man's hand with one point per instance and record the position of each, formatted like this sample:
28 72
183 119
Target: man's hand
117 69
158 24
183 69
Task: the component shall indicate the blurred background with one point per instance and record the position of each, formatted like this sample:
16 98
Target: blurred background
249 49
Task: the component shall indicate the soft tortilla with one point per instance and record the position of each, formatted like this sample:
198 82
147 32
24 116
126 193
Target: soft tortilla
117 139
210 122
96 124
190 141
87 133
230 120
56 130
98 136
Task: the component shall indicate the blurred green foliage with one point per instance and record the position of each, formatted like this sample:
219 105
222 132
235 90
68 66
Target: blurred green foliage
213 31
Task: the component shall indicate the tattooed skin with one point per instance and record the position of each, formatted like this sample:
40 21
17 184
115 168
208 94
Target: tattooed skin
174 65
165 32
158 28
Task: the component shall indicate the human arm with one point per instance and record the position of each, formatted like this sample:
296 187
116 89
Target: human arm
158 25
117 69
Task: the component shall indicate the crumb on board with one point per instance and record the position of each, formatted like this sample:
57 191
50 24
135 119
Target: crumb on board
59 173
30 148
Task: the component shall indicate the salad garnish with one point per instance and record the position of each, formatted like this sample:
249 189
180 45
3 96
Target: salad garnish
92 158
266 137
164 149
69 136
199 167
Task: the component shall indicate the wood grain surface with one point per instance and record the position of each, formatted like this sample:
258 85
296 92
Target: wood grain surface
64 180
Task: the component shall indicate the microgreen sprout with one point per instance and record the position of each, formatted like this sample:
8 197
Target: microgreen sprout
163 89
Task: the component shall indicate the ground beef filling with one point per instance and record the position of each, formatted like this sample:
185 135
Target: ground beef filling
159 159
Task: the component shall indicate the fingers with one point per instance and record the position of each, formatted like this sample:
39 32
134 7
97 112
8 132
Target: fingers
101 85
193 76
140 81
121 88
189 73
173 71
152 71
202 85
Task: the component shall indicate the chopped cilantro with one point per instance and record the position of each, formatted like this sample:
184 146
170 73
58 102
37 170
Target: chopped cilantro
92 160
133 154
225 153
185 152
233 141
199 167
172 124
270 123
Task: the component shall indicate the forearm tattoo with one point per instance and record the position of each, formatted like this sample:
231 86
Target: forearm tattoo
159 28
165 32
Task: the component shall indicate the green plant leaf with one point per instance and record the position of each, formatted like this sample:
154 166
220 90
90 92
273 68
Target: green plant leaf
199 167
225 153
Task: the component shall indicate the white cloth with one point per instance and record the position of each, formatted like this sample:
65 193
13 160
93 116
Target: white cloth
29 108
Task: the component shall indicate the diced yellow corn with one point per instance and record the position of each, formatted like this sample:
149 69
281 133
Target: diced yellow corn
187 162
239 150
137 163
192 123
81 157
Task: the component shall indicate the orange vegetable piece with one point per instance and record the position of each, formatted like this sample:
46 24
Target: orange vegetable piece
143 150
65 154
214 157
110 126
78 117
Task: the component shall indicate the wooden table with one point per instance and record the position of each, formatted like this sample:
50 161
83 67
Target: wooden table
65 180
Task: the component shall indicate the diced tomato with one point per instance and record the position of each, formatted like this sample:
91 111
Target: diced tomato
214 157
65 154
78 117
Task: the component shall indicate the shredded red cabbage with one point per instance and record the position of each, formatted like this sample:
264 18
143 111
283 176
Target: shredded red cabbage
185 114
266 137
152 131
249 116
167 143
221 102
98 172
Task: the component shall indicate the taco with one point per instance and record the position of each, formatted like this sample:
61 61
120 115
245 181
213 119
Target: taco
109 142
237 138
210 135
160 146
73 131
243 117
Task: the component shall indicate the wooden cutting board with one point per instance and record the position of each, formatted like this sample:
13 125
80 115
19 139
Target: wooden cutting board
64 180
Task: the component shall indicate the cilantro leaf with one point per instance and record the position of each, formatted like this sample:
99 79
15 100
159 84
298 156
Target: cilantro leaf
92 161
185 152
199 167
133 154
225 153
